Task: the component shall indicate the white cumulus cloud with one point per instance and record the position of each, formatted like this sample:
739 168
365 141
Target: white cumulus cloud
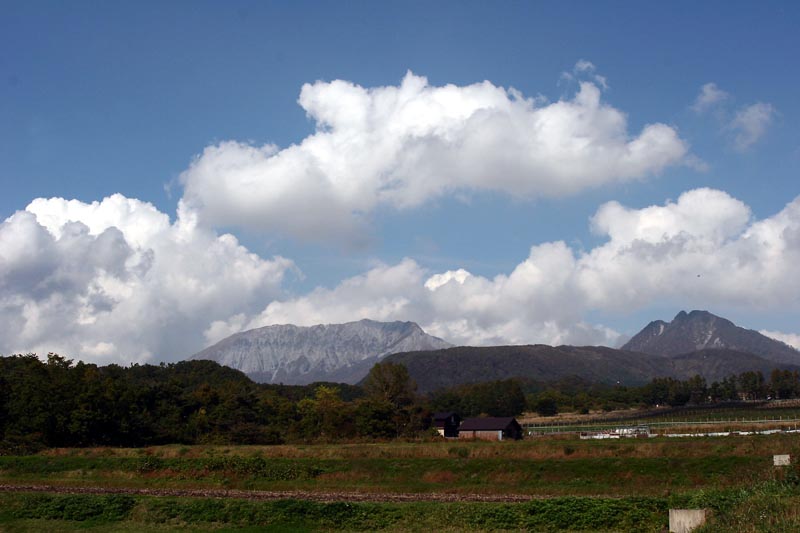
704 250
709 97
400 146
467 309
437 280
792 339
750 124
116 281
584 69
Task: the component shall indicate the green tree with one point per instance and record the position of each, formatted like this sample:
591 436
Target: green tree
390 382
546 404
697 389
330 412
374 418
784 383
752 385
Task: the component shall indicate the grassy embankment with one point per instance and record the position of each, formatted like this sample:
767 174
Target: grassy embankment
584 485
540 467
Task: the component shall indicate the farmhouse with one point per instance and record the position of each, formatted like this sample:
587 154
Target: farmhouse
490 428
447 424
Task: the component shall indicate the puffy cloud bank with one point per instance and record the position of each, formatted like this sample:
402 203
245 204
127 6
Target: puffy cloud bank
115 281
702 250
118 281
400 146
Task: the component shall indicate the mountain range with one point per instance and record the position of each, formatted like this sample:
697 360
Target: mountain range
296 355
697 342
693 343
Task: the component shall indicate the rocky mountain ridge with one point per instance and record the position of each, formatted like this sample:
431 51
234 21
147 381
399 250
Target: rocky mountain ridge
699 330
299 355
697 342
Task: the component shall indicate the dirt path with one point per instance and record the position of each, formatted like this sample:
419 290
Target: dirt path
257 495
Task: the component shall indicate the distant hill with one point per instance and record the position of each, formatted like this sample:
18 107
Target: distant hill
331 352
699 330
717 364
455 366
438 369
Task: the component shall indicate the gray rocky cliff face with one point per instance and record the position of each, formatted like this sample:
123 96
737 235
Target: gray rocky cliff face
329 352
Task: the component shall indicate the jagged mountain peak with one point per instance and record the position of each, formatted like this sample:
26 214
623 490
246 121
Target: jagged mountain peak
291 354
698 316
682 315
699 330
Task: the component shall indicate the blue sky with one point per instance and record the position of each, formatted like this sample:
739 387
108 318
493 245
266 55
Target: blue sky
104 98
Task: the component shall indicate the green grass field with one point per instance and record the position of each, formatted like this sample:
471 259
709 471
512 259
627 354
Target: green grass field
613 476
29 512
575 485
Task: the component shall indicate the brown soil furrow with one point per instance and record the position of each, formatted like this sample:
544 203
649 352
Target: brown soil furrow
277 495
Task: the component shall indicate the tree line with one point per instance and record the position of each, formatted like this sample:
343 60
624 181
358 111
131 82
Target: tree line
746 386
59 403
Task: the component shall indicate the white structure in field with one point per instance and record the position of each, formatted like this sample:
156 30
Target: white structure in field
781 460
686 520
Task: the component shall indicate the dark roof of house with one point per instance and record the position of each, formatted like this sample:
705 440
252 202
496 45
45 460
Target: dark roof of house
443 415
487 423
